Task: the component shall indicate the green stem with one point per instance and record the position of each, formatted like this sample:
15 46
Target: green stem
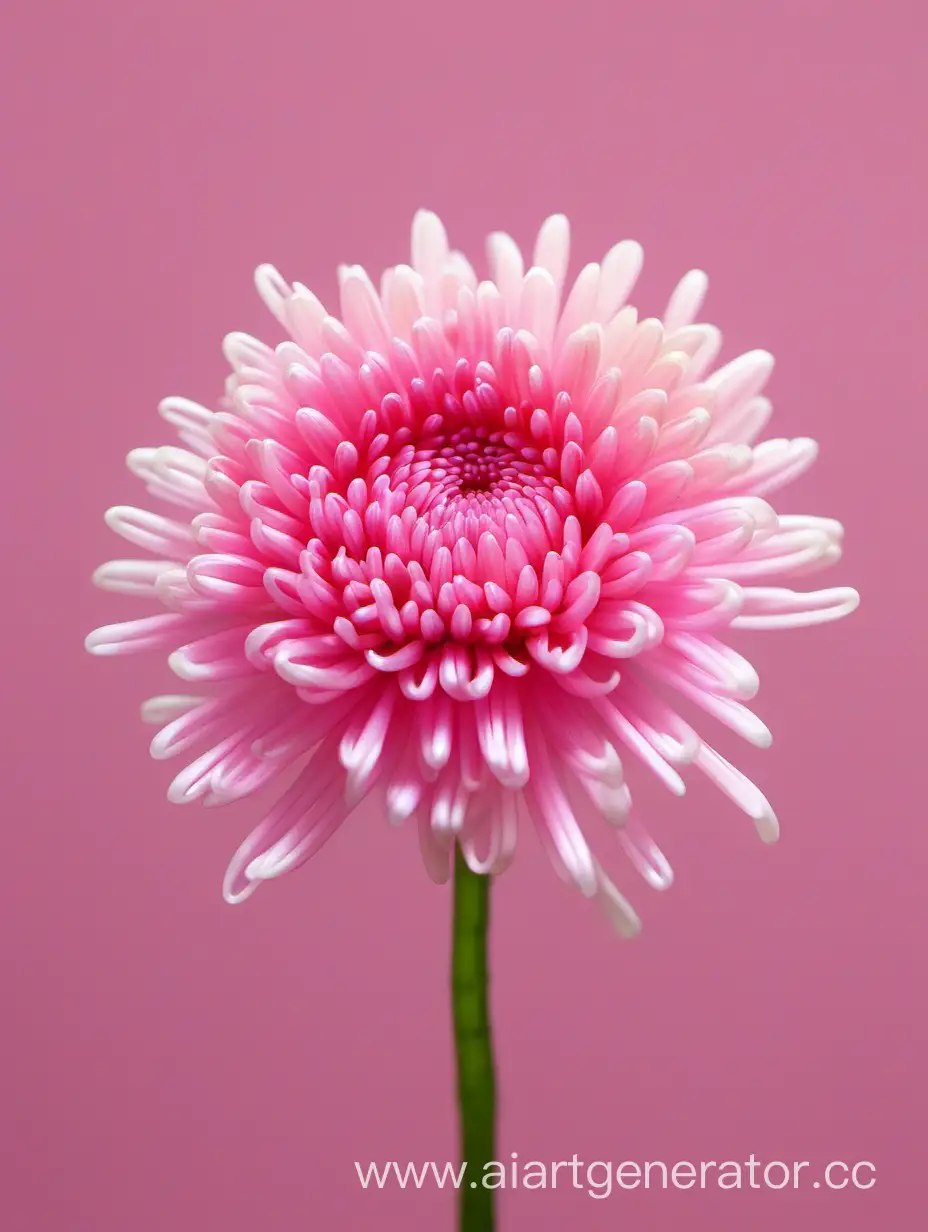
473 1045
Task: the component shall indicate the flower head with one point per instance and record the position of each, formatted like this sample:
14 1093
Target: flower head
458 546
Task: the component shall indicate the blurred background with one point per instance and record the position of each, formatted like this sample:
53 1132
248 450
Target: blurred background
173 1063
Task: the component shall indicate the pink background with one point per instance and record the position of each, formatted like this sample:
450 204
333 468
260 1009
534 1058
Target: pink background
171 1063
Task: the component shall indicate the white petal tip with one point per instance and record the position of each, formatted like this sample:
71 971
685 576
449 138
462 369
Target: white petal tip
234 897
180 796
116 515
628 929
590 333
768 828
177 663
619 911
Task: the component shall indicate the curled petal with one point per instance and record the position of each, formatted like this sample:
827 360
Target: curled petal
168 706
741 790
218 656
557 826
436 850
562 659
132 636
620 725
639 636
337 676
139 578
774 608
396 660
646 856
362 746
498 827
465 674
618 910
306 815
151 531
501 737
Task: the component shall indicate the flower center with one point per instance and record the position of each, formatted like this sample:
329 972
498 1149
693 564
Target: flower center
472 465
476 470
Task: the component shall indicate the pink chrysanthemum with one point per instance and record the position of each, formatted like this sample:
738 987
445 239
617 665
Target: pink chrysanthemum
458 548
